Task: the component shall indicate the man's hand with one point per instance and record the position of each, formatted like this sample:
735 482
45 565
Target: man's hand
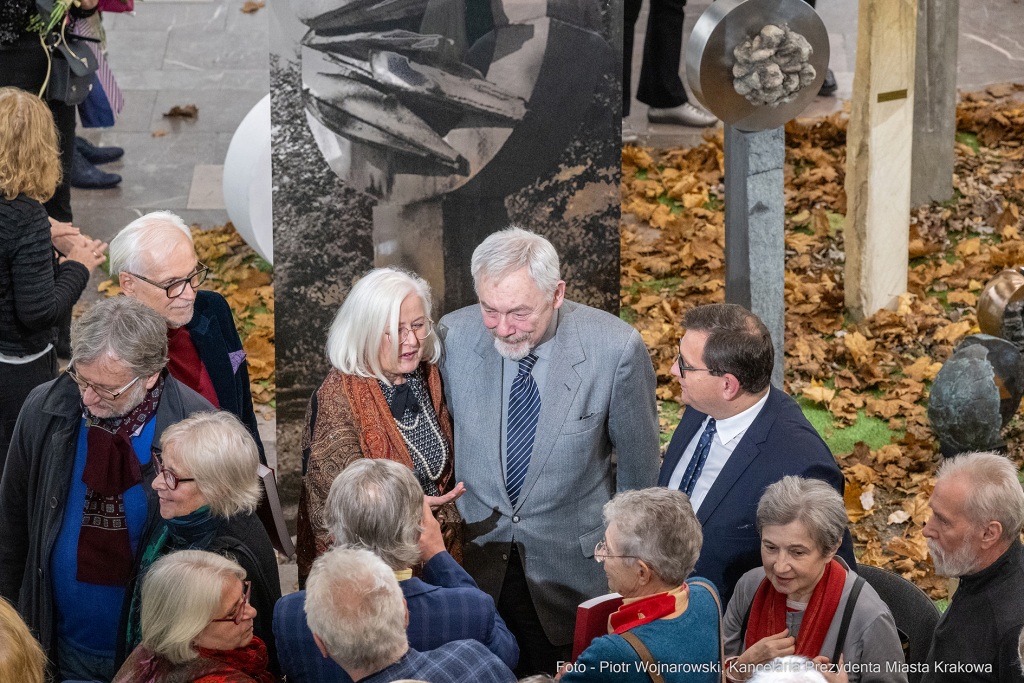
765 650
437 501
431 542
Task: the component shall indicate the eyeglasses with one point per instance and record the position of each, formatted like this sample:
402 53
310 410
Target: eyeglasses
601 552
177 288
100 391
686 368
170 478
237 616
420 330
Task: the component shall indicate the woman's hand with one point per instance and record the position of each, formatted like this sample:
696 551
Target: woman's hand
62 235
89 4
765 650
87 252
837 676
437 501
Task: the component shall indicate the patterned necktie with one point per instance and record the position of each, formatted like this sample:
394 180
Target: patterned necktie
523 411
700 456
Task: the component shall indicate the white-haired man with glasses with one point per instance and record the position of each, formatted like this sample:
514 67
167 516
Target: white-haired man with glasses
154 260
75 497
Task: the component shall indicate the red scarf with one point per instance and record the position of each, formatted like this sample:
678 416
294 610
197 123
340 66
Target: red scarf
768 611
251 660
111 468
643 611
185 365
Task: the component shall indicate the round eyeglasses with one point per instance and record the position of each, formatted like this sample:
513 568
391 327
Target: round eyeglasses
601 552
419 330
99 391
170 478
177 288
237 616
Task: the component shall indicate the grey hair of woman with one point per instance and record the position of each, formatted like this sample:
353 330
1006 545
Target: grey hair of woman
377 504
124 328
994 493
812 502
512 249
657 525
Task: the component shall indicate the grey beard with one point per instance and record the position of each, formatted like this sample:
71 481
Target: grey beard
136 395
511 351
960 562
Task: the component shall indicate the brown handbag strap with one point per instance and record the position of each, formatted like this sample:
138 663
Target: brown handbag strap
721 633
645 655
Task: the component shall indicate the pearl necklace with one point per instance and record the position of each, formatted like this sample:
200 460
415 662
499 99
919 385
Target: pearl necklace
426 466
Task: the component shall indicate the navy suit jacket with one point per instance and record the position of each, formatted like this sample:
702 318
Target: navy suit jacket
213 333
444 607
779 442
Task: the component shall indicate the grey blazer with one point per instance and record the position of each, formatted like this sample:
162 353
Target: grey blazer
598 399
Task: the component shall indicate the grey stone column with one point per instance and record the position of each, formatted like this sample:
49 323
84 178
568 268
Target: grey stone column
755 268
935 98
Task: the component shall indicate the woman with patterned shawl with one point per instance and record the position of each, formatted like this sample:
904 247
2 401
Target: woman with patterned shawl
382 399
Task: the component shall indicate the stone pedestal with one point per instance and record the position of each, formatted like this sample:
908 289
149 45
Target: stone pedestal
935 100
755 267
410 236
878 155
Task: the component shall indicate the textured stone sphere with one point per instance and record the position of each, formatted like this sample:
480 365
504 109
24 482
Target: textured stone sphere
1008 366
963 406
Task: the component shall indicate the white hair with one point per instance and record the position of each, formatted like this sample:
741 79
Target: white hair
354 605
218 451
181 595
791 669
506 251
377 504
141 235
994 493
372 308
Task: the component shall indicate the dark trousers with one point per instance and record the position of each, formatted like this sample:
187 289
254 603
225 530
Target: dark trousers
536 653
660 85
23 65
17 381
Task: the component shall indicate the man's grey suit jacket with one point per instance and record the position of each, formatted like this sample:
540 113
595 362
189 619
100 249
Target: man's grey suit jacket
598 398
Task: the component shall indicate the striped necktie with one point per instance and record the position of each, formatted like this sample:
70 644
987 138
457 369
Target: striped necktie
700 456
523 411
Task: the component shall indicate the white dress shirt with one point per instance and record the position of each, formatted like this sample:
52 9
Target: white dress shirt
728 433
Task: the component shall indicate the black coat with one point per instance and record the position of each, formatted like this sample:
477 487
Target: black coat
36 483
213 333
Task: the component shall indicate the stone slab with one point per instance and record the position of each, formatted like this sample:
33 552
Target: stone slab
879 157
207 191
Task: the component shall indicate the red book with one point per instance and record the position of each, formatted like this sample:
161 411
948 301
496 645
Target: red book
592 621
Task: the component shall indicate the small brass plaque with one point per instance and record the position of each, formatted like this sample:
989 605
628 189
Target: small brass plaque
892 95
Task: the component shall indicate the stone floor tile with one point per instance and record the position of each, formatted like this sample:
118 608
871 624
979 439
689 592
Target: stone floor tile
215 51
207 190
167 16
188 79
220 111
135 50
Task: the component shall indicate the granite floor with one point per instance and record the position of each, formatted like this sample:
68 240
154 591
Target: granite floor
991 50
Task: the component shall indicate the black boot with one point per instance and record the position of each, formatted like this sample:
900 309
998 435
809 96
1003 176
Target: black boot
829 85
85 176
97 155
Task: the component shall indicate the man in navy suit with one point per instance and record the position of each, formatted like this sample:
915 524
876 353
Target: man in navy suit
379 505
737 436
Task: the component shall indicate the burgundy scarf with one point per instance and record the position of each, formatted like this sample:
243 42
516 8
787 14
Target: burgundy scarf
111 468
768 611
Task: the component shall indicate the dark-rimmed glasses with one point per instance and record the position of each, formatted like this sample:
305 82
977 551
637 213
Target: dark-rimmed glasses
177 288
99 391
601 552
170 478
237 616
686 368
420 330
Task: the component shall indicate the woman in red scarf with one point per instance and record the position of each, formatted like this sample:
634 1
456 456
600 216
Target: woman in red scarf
196 624
795 602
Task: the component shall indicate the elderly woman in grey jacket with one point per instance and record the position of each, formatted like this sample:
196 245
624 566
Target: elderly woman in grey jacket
794 603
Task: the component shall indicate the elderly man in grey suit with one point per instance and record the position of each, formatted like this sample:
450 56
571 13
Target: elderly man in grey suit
542 391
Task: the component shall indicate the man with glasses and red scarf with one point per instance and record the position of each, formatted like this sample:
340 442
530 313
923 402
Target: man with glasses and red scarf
154 260
75 498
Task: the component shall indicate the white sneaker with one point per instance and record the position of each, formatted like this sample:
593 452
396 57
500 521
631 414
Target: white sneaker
628 134
683 115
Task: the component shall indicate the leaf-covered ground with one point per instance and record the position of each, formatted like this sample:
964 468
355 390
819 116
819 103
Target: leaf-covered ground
247 282
864 386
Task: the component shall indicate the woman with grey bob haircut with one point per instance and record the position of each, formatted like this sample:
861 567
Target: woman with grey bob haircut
377 505
196 622
650 547
383 399
209 486
512 249
794 603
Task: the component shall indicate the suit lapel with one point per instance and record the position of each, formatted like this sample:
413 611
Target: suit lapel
485 401
746 452
561 386
681 438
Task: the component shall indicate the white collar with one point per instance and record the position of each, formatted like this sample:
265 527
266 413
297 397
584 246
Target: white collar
731 427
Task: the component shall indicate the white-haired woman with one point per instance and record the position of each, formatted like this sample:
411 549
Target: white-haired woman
208 488
382 399
795 603
197 624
